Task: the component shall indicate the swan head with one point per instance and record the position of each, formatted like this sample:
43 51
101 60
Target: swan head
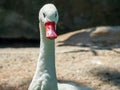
48 15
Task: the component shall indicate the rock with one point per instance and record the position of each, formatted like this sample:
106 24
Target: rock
106 33
96 37
76 14
15 26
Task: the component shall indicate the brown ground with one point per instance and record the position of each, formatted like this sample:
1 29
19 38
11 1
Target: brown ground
77 59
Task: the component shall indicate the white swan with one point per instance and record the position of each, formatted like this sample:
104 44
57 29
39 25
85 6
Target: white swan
45 75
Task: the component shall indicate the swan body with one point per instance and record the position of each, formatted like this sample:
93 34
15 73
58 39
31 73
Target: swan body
45 75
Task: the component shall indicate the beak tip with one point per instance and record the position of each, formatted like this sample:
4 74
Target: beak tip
51 37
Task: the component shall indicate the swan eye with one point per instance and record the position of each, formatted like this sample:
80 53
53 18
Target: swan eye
55 14
44 15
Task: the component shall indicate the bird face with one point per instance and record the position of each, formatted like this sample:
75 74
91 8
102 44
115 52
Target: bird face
49 16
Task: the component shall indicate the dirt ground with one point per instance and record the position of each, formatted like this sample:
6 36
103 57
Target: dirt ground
78 59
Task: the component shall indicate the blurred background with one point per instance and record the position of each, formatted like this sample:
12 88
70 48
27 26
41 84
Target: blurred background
19 18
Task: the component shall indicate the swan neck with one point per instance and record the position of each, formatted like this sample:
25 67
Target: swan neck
46 61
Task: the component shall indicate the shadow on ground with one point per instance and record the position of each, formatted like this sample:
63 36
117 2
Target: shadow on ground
25 85
83 39
107 75
18 43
